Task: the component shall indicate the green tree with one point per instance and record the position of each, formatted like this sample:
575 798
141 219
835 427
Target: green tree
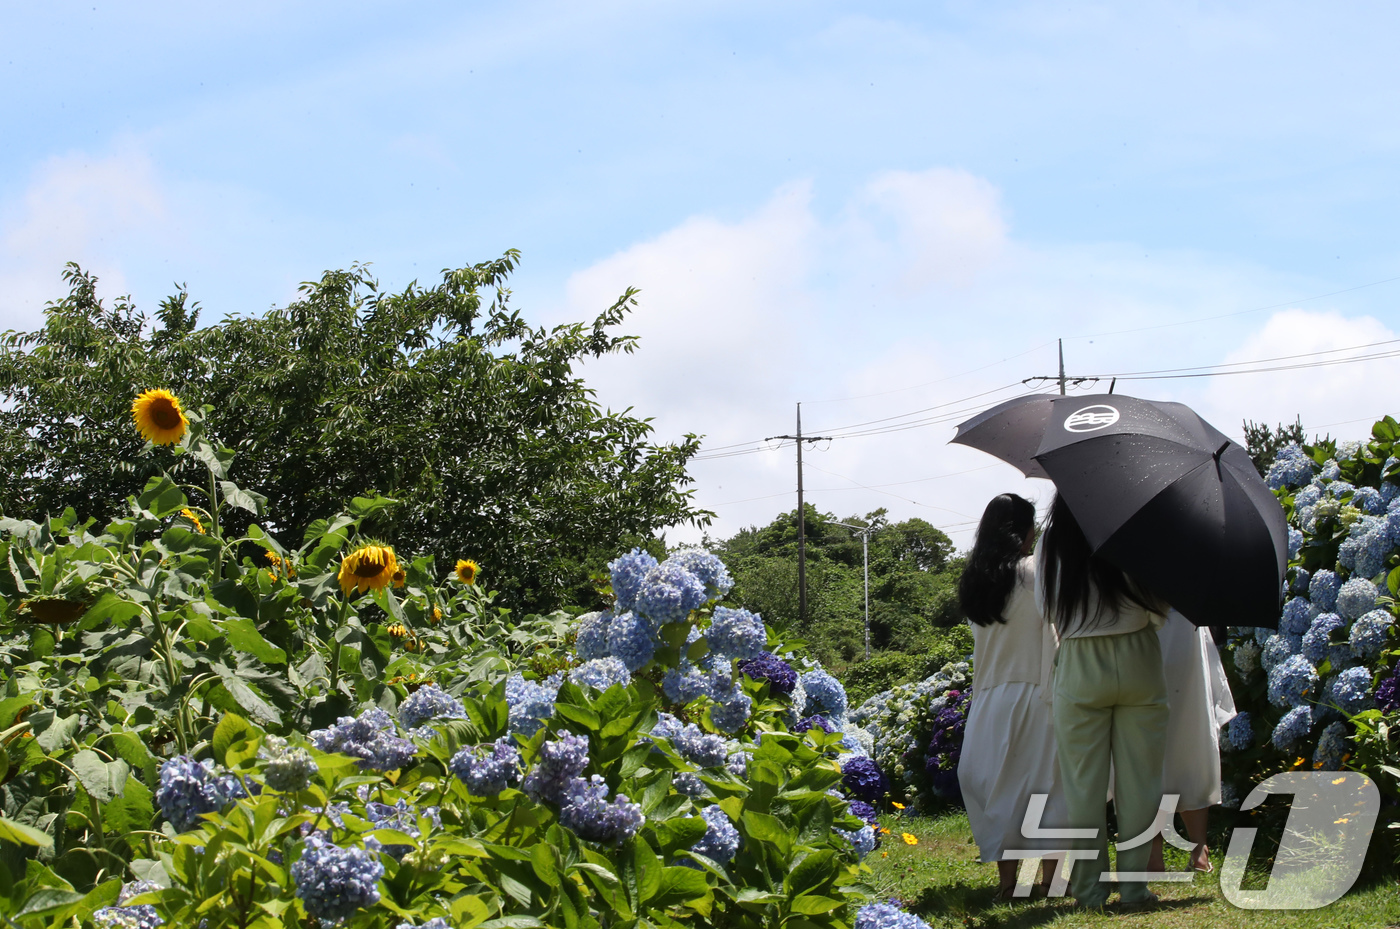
1263 443
441 397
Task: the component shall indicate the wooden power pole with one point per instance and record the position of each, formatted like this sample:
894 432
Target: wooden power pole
799 438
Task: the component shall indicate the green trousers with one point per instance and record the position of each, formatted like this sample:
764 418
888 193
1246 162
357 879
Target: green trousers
1110 704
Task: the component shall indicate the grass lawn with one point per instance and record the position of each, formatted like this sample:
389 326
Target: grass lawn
942 881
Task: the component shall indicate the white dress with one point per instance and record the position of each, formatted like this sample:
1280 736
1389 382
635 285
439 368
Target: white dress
1009 745
1200 700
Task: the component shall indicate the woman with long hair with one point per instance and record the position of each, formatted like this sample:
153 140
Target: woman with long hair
1110 701
1009 744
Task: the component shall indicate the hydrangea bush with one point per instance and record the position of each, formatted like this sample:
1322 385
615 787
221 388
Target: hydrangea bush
1313 694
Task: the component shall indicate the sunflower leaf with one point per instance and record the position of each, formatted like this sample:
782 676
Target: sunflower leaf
243 499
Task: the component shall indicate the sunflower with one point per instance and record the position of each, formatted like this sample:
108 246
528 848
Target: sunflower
273 558
437 614
369 567
467 571
399 577
159 417
398 630
55 611
194 520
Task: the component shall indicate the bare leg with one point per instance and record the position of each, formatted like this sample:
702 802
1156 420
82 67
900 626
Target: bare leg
1154 860
1006 878
1196 823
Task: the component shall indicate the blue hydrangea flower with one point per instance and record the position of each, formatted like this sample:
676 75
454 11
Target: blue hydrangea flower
825 695
865 811
1388 693
1293 728
1317 644
1372 553
862 839
1291 680
730 714
630 641
1369 634
332 882
586 811
862 778
429 702
530 704
1247 658
1368 500
885 916
668 593
768 667
1278 649
1298 615
401 817
1308 496
628 574
188 789
708 570
1295 542
1301 577
487 769
1323 590
1350 691
125 916
601 673
689 783
560 761
371 738
702 748
592 638
1331 471
738 763
1239 732
736 633
1389 493
1392 524
667 726
721 839
1356 596
685 683
287 769
1331 746
1291 468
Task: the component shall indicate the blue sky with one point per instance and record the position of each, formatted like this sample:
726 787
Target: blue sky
819 200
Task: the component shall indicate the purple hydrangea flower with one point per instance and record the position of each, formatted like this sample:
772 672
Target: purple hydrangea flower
586 811
721 839
487 769
1388 693
865 811
560 761
371 738
334 883
768 667
814 721
429 702
862 778
188 789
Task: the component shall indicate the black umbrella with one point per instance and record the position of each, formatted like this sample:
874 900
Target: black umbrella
1011 431
1169 499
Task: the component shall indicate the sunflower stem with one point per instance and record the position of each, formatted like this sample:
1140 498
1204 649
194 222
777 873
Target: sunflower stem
215 528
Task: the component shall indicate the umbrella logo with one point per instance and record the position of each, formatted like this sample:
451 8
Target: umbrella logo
1098 416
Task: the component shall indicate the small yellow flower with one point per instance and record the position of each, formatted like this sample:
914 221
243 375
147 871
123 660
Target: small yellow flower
1299 763
437 614
369 567
909 839
884 831
273 558
884 854
897 806
467 571
194 520
159 417
398 630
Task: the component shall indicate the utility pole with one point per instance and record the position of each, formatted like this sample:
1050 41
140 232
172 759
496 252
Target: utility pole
1062 379
865 548
1062 366
801 516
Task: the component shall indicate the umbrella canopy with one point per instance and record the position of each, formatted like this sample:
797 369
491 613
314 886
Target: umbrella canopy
1163 495
1010 431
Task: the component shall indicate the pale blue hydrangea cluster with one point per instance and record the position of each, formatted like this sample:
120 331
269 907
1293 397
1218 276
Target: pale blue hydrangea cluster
732 712
1317 644
1331 746
721 840
862 839
886 916
825 695
628 574
1331 471
488 769
332 882
530 703
1323 590
736 634
737 763
630 640
1292 468
1301 578
1368 500
1239 733
401 817
687 682
1278 649
1293 728
1247 658
669 592
560 761
126 916
1369 634
286 768
589 814
1357 596
1291 681
689 784
1298 615
601 673
427 703
370 737
708 570
702 748
188 789
1295 542
591 639
1350 691
1347 449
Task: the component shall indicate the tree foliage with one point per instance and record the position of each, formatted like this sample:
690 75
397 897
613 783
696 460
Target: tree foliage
441 397
913 581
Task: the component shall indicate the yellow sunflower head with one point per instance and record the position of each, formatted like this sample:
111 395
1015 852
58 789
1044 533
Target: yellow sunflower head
194 520
273 559
399 577
437 614
369 567
398 630
467 571
159 417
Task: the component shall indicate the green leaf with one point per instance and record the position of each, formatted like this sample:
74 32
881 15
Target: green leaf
680 885
812 904
162 497
543 860
812 872
21 834
767 828
243 499
232 728
246 697
244 636
57 733
110 610
48 899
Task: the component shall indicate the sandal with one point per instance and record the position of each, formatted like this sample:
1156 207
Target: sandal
1201 847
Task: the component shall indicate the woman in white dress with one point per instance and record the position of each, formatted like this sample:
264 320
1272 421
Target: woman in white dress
1198 694
1009 745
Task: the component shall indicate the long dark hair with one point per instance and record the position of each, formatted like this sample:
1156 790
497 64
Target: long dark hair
990 573
1072 572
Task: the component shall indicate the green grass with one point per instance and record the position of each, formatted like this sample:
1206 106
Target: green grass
942 881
